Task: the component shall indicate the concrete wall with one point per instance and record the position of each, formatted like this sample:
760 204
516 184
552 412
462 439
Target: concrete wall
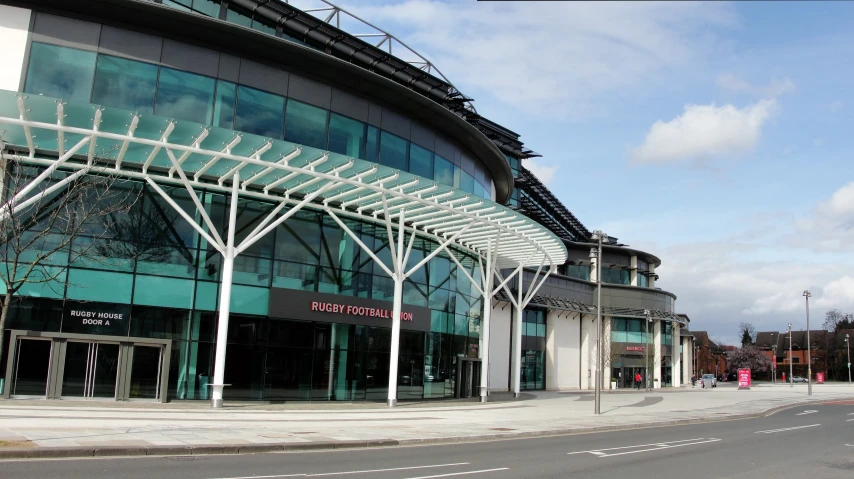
563 359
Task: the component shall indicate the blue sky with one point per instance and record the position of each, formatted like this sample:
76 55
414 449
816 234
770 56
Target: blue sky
714 135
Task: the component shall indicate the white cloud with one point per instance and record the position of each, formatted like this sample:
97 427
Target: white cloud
775 88
554 58
544 173
837 294
836 106
829 227
705 132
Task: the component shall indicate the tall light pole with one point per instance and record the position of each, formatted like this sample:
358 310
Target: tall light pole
646 351
773 363
848 349
600 238
809 353
791 381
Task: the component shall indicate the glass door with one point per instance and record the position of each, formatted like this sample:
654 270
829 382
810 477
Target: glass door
91 370
32 367
145 372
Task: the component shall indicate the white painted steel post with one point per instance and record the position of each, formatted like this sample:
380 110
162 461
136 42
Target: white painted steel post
398 278
225 300
517 338
484 331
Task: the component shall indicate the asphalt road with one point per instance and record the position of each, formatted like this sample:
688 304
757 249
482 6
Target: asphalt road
817 443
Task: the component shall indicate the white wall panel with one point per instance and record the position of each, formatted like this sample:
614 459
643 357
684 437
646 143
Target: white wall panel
14 27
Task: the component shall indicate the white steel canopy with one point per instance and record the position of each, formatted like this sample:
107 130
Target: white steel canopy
88 138
82 136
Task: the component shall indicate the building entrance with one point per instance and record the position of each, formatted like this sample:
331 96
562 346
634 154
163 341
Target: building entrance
91 370
66 366
32 363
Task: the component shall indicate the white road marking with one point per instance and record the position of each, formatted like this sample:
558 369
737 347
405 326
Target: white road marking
596 451
652 447
785 429
349 472
461 473
663 447
808 411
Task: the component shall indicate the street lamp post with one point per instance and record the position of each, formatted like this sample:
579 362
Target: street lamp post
848 349
646 351
791 381
600 238
773 363
809 353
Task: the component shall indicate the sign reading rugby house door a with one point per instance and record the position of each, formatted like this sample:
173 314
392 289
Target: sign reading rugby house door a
95 318
335 308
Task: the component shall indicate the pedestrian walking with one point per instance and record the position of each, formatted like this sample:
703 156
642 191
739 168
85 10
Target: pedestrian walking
638 379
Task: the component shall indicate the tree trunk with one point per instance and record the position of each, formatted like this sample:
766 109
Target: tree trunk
3 313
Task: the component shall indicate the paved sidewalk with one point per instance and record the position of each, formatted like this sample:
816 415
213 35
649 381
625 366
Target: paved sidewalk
73 428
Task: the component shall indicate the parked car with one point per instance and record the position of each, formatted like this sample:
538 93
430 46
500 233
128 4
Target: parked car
709 379
797 379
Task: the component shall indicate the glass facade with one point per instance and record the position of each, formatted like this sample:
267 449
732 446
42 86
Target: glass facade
533 373
108 80
616 275
153 261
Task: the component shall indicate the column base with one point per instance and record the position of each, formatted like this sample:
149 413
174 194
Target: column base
516 395
483 399
392 402
216 403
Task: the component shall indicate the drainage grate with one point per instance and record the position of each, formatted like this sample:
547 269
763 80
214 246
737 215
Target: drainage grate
501 429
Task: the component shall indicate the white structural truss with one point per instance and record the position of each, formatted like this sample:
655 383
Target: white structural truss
164 152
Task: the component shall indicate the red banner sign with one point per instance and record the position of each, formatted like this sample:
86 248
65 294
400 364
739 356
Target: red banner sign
744 378
634 348
819 378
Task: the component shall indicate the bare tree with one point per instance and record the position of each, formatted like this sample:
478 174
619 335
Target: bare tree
748 333
836 319
49 220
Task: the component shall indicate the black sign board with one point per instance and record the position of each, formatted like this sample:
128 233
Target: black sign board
334 308
96 318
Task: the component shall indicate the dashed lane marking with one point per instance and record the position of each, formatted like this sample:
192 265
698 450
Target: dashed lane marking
769 431
658 446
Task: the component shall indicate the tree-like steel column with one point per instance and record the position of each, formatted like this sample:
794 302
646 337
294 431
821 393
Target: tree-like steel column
225 299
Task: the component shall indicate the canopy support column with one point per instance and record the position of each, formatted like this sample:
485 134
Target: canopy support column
484 331
398 278
225 299
516 350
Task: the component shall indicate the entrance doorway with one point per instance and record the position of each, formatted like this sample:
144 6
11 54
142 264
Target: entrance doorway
91 370
32 368
65 366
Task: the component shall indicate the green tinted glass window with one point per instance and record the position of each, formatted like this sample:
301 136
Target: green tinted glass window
60 72
185 96
238 16
208 7
372 148
420 161
306 124
346 136
259 112
393 151
125 84
466 182
159 291
99 286
262 27
226 94
443 171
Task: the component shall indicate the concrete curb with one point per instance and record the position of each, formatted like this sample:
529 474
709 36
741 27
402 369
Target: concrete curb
230 449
